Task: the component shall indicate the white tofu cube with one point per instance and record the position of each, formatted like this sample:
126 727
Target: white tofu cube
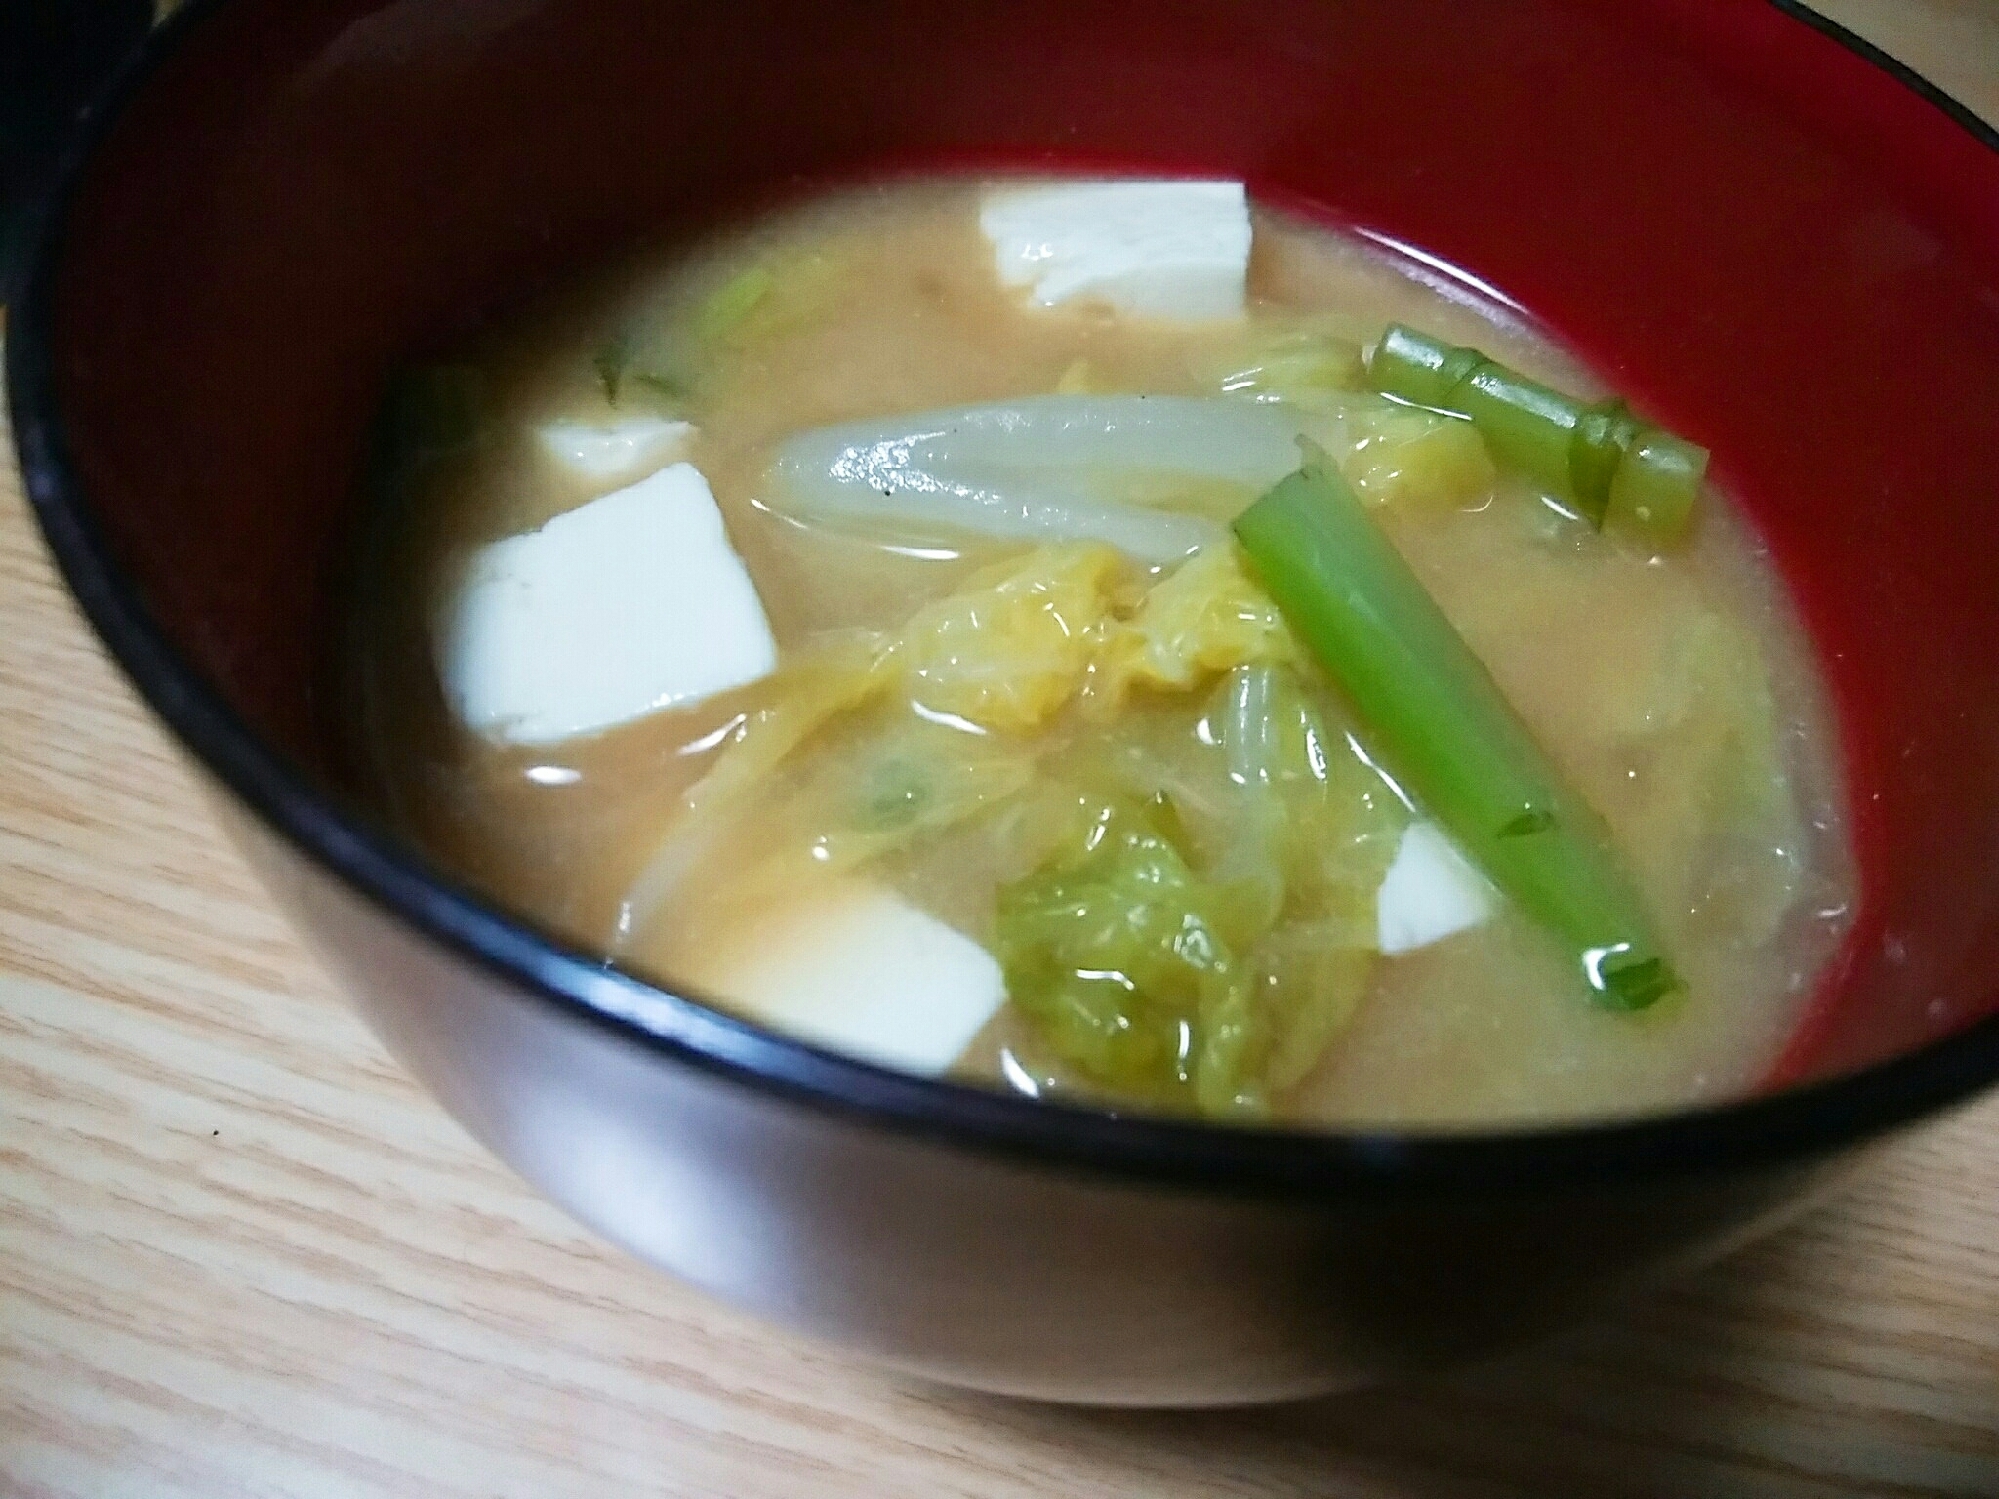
623 449
629 604
1169 250
855 968
1430 892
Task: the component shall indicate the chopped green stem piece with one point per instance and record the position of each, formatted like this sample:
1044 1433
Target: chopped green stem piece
1634 986
731 302
1447 729
1653 490
610 363
1614 468
613 367
1596 446
896 795
663 386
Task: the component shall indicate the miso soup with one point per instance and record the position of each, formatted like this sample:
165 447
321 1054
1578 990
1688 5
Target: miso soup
1112 642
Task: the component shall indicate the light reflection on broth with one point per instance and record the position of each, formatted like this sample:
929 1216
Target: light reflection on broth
1653 683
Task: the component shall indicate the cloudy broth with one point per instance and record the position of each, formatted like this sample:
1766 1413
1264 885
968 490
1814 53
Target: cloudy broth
1675 693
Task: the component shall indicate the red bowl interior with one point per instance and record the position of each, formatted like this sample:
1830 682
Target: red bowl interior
1764 238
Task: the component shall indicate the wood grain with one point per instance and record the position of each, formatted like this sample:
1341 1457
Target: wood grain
241 1254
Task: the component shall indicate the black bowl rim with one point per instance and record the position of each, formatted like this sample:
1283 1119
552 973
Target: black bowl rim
1793 1125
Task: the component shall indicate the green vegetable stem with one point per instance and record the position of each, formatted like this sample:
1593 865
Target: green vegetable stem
1444 725
1616 469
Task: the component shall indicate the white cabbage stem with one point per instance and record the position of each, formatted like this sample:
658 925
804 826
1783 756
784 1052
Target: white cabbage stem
1043 468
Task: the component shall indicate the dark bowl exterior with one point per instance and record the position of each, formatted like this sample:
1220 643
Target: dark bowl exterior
1760 232
996 1272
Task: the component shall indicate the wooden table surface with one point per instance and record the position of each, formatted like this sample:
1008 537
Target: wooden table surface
241 1254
